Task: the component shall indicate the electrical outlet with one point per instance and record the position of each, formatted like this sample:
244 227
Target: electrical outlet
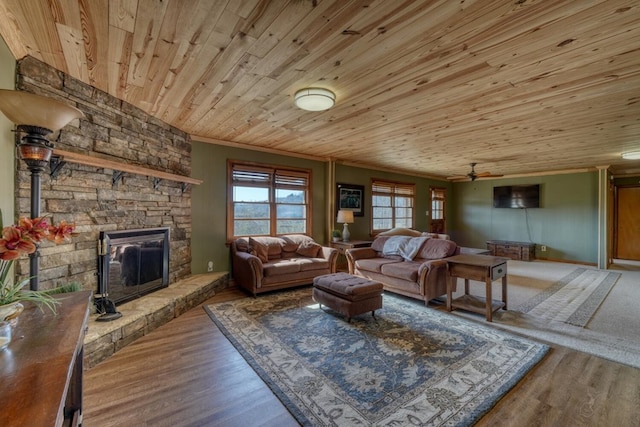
210 266
543 248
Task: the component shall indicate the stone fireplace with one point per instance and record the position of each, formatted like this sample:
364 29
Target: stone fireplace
103 199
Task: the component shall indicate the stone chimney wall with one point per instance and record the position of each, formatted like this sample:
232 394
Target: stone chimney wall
87 196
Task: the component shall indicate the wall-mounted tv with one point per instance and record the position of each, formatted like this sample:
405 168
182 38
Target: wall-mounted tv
517 196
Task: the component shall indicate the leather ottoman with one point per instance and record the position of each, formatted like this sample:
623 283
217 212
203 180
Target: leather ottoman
348 295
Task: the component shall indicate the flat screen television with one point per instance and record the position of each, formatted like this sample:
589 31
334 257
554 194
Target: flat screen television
517 196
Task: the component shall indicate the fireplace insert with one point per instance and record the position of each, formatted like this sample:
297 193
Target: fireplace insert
132 263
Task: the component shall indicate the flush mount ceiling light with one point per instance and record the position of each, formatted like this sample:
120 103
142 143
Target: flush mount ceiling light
632 155
314 99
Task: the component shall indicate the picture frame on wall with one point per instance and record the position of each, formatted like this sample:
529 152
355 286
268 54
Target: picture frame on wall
350 197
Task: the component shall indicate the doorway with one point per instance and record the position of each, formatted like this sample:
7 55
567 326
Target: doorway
438 221
627 223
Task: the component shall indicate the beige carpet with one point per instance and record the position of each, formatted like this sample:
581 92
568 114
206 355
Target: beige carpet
612 333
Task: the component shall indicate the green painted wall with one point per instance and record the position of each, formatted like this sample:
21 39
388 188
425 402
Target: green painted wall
360 230
7 139
209 200
566 222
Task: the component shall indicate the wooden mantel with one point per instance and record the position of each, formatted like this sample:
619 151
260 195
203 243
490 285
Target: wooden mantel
68 156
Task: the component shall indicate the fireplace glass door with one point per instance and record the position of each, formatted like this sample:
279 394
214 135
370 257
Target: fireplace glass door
133 263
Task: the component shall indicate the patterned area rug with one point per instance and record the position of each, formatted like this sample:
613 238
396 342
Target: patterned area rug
574 298
412 366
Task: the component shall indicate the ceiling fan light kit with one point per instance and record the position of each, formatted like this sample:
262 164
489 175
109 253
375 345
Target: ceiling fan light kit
632 155
314 99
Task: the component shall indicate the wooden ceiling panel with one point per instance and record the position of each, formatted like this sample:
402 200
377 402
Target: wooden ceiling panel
423 87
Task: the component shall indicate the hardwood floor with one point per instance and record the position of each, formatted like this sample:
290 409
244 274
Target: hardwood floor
186 373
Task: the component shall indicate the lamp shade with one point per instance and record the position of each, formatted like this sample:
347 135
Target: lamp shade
345 217
314 99
24 108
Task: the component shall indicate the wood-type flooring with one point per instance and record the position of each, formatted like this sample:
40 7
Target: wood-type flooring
186 373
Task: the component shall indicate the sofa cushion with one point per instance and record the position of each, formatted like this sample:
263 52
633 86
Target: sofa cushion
437 249
407 270
259 249
242 245
308 264
378 243
308 248
374 264
405 246
274 245
296 239
378 246
280 267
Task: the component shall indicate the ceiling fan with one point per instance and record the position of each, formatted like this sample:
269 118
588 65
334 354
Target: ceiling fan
473 175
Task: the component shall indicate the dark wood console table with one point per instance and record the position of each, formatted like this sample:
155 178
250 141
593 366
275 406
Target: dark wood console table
41 370
483 268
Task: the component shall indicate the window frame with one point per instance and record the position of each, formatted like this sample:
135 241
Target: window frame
276 177
397 189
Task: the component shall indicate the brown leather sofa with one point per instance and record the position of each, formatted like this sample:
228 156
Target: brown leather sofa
263 264
423 276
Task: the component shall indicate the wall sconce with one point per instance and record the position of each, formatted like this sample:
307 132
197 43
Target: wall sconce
36 117
314 99
346 217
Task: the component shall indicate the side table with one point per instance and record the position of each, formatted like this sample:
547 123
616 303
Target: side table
483 268
342 247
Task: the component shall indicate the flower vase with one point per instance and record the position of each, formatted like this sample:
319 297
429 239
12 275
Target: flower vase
10 312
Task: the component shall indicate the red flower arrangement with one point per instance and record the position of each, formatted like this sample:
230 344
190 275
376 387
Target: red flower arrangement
22 239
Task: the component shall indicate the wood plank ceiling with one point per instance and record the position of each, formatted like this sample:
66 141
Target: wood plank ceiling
423 87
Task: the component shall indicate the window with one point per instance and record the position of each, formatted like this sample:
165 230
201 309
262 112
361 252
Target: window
392 205
437 223
267 201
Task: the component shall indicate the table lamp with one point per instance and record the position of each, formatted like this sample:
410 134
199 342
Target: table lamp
345 217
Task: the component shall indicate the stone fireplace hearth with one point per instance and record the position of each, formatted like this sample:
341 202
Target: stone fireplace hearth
145 314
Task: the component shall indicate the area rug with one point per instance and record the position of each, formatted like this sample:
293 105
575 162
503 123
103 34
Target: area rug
413 365
574 298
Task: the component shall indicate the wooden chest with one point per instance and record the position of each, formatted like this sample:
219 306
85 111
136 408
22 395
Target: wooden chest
523 251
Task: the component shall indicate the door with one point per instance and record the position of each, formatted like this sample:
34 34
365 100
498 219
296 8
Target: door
628 223
437 223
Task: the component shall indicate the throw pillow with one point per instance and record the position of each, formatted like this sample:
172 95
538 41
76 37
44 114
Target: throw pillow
259 250
437 249
309 248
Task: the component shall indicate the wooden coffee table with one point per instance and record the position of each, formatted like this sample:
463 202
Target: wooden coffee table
483 268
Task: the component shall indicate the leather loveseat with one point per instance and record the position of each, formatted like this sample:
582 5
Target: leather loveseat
263 264
418 269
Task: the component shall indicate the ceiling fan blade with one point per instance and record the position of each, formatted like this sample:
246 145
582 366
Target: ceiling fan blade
458 177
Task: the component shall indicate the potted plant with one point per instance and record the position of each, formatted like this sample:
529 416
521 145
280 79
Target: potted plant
335 235
18 240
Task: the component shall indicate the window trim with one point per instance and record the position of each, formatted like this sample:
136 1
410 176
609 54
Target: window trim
275 171
395 186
